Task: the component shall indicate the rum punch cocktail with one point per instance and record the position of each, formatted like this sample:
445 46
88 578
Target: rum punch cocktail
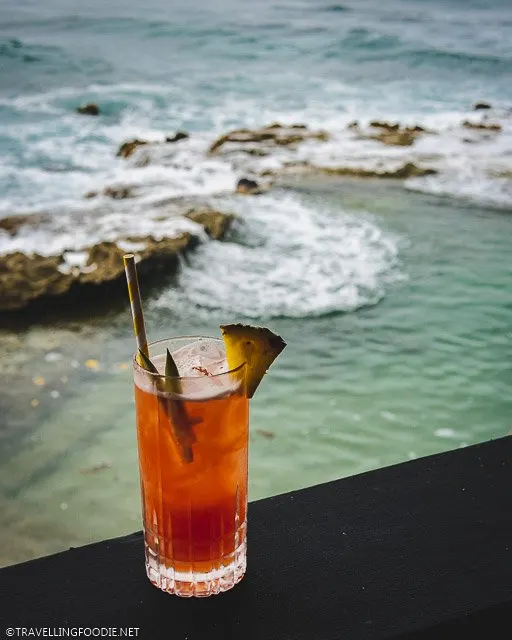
193 476
192 434
192 413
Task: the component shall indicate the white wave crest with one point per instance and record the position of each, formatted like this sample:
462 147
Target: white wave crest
300 262
56 155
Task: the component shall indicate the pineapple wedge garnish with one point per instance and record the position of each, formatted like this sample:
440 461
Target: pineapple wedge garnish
256 346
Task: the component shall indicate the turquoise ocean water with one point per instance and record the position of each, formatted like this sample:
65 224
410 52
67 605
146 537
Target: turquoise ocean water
395 298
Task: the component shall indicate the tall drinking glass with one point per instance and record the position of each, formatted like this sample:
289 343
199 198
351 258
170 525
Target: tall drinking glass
192 435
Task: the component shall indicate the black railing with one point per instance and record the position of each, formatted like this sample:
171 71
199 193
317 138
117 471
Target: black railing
421 549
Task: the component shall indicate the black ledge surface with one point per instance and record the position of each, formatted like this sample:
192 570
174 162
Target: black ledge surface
421 549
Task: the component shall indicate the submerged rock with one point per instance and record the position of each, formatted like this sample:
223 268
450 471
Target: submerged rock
90 109
246 186
142 160
273 135
12 224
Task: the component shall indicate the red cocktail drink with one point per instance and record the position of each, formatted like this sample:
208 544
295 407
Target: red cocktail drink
193 455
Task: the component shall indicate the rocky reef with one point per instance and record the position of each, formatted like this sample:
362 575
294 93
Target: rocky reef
96 271
275 151
215 223
128 148
406 170
482 126
401 172
263 141
390 133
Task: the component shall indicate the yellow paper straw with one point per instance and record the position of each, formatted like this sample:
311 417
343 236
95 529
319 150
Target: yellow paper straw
135 302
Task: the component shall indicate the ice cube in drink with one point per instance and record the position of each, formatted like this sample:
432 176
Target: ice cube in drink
203 357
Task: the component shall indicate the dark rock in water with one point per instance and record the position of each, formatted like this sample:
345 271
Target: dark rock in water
394 134
215 223
482 126
241 136
278 125
396 138
480 106
105 261
411 170
256 152
29 279
25 278
246 186
274 135
179 135
353 125
270 435
90 109
380 124
118 193
12 224
129 147
100 466
407 170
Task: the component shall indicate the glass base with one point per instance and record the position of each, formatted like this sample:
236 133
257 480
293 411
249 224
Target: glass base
188 584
